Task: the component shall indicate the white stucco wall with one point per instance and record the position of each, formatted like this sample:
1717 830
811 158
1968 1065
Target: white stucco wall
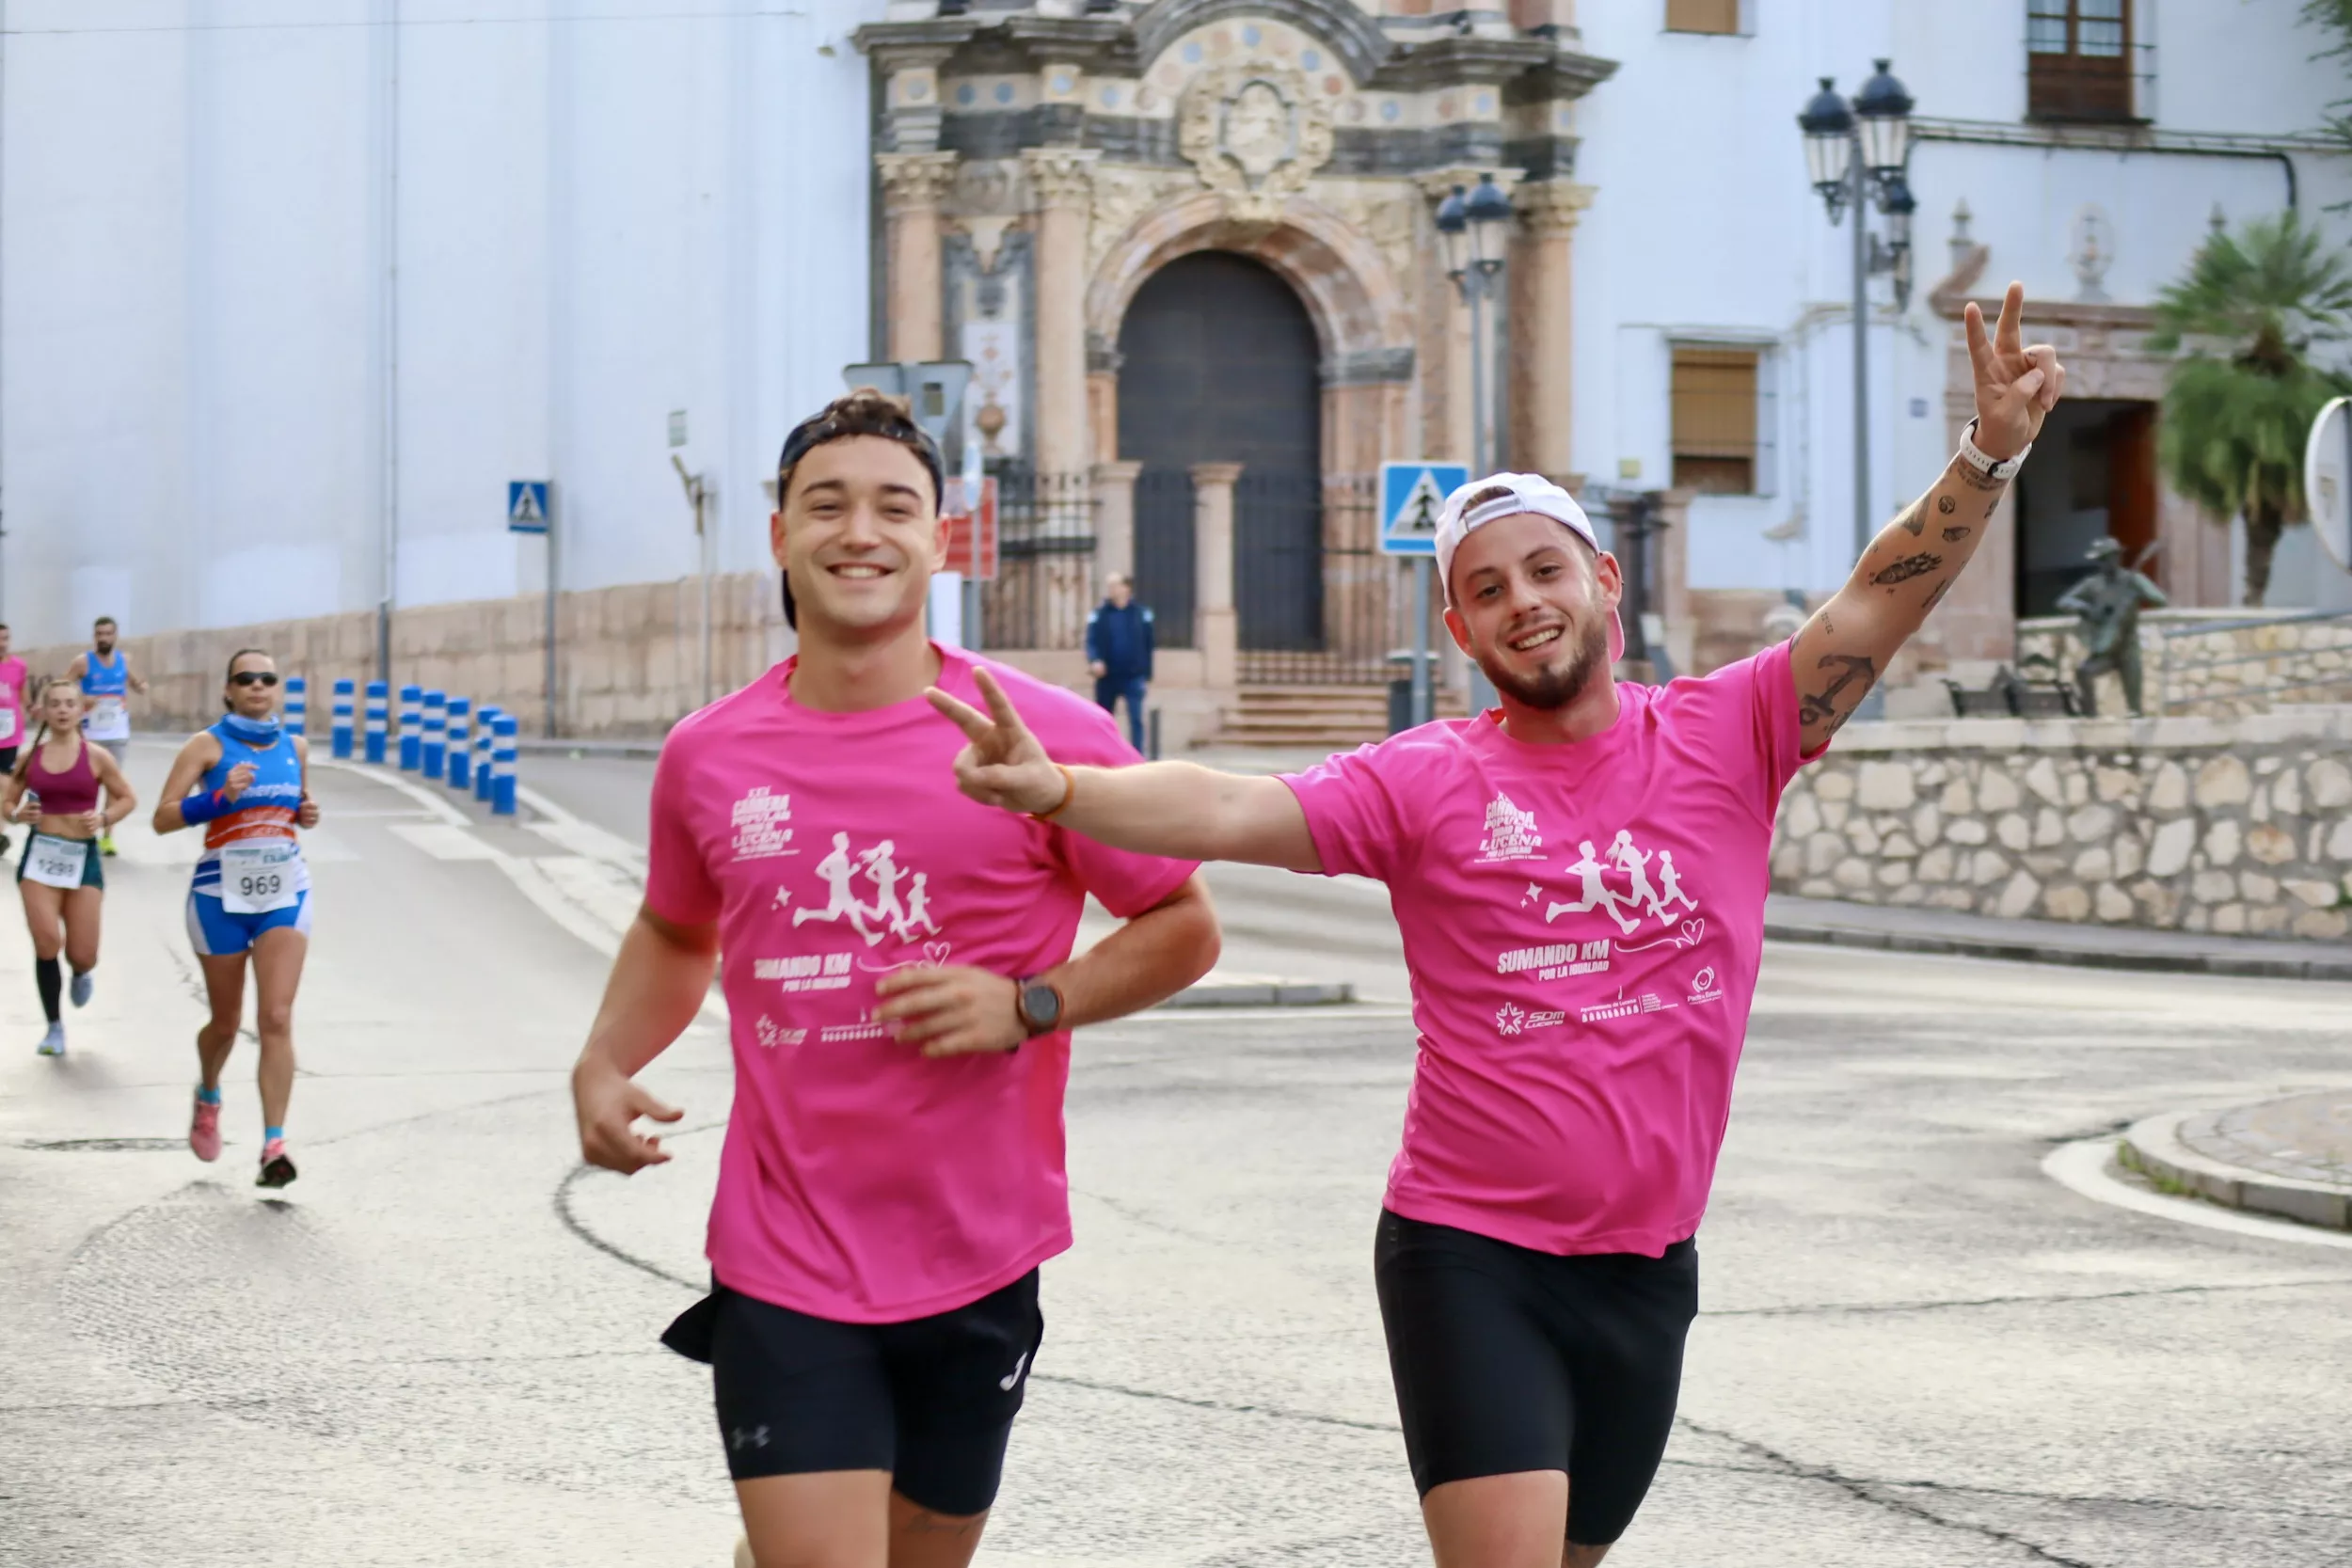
600 218
1704 228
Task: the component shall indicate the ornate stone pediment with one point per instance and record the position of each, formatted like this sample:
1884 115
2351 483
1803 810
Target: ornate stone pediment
1256 134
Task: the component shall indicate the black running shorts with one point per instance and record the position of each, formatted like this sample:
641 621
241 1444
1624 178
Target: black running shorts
1506 1359
931 1401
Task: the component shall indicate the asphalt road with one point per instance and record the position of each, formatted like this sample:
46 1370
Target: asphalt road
1917 1346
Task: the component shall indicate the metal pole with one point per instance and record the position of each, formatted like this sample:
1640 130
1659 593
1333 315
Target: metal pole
1482 462
551 569
1863 530
701 538
1421 564
390 496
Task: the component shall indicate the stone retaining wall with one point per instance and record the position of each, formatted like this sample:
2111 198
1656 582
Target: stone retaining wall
2211 662
2239 825
629 658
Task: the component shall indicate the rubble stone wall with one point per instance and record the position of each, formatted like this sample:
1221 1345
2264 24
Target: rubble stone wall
2211 662
2233 825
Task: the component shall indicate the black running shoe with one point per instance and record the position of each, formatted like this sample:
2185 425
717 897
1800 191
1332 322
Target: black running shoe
276 1170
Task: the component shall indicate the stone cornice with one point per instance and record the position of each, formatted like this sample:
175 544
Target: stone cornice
1089 43
1447 62
896 45
913 181
1343 25
1949 299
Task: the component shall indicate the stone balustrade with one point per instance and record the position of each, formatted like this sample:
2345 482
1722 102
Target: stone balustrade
2232 825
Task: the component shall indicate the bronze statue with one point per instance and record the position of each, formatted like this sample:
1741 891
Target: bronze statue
2107 605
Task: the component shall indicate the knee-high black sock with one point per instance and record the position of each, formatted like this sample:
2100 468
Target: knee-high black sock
52 986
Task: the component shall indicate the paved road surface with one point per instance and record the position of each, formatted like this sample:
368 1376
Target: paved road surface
438 1347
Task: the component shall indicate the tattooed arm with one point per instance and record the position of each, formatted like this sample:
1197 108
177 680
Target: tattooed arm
1912 565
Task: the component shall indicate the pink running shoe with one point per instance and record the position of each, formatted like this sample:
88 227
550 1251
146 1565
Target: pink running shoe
204 1132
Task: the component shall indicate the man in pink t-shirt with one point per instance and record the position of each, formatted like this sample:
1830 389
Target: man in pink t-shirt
1578 877
899 979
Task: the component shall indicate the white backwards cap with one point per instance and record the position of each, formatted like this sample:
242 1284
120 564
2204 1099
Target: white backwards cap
1526 493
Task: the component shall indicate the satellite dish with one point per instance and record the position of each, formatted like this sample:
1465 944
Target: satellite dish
2328 479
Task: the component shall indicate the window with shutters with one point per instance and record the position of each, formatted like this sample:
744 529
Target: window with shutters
1703 16
1716 418
2078 60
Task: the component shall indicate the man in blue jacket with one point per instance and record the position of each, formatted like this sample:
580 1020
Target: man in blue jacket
1118 652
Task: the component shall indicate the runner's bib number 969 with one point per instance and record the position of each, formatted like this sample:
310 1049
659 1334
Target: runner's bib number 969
256 878
58 861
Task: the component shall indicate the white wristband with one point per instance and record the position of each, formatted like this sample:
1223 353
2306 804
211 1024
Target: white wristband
1999 470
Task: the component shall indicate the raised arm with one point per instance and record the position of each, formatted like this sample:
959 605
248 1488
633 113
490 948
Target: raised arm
1910 565
1177 809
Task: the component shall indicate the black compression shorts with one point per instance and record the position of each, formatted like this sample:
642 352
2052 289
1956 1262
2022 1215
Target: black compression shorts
931 1401
1506 1359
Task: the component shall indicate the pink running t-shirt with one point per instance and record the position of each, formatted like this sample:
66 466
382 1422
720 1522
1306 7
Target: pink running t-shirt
861 1180
1582 923
12 722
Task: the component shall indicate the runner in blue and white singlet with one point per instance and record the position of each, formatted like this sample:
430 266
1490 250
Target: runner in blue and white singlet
245 781
107 682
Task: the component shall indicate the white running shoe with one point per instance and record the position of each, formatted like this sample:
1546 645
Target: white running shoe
83 983
52 1043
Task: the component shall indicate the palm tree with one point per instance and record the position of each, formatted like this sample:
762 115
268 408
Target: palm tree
2251 307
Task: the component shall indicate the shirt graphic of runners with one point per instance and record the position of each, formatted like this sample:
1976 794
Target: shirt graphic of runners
839 871
1641 896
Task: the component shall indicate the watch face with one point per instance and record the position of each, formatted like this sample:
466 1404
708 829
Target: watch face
1041 1007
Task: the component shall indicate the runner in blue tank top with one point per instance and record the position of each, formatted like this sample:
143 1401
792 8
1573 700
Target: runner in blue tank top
107 682
247 782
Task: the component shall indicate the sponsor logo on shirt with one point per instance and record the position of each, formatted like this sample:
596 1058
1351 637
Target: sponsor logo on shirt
1512 1021
1706 987
1624 1006
773 1033
1510 833
759 820
835 1033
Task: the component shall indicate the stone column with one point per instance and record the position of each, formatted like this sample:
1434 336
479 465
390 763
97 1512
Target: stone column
1542 340
1114 519
912 187
1061 192
1217 631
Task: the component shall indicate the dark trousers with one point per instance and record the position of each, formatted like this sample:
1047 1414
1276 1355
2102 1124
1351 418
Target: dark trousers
1109 689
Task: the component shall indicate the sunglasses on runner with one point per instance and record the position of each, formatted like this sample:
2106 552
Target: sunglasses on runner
254 677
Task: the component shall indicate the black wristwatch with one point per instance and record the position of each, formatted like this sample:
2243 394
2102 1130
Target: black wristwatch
1037 1006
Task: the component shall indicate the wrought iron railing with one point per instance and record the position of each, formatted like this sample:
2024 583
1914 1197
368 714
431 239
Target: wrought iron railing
1044 582
1317 603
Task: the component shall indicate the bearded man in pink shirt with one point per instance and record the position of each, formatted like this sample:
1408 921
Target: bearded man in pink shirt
899 979
1578 877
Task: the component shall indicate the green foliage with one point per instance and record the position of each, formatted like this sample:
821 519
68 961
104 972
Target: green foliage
2334 17
2251 308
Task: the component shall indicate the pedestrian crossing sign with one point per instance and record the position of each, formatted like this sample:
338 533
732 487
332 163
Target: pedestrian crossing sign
527 506
1411 496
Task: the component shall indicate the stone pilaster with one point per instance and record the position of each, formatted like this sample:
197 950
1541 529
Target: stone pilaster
1218 627
913 184
1542 340
1061 192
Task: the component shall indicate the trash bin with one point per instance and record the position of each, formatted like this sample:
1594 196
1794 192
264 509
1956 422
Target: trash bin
1401 688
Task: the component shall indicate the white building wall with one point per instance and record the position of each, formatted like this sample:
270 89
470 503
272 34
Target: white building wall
1704 228
603 212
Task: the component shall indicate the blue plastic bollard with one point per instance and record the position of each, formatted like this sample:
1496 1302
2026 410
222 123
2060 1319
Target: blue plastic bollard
342 720
484 727
436 732
297 704
411 727
379 699
502 761
460 744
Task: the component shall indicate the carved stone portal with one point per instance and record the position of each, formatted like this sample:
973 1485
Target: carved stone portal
1255 133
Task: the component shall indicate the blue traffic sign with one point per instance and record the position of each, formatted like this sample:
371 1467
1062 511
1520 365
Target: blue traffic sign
1411 496
527 506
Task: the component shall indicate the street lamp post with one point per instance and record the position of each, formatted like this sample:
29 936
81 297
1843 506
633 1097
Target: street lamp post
1471 224
1856 152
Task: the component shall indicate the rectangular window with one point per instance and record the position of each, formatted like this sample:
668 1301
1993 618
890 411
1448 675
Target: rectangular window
1715 419
1703 16
2078 60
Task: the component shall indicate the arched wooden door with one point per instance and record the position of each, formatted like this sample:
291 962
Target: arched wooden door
1219 363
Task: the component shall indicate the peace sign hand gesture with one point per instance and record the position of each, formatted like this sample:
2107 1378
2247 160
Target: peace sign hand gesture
2016 385
1004 765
